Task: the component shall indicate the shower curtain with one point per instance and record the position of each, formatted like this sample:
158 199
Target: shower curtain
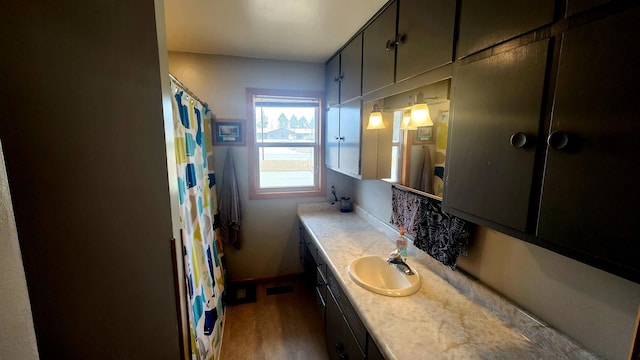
198 209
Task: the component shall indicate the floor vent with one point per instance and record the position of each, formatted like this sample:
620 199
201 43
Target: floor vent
276 290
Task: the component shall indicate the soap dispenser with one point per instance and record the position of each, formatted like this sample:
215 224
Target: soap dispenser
401 243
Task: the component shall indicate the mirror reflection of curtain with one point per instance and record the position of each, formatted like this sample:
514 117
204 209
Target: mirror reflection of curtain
198 208
441 153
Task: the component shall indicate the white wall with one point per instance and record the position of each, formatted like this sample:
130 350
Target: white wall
17 336
595 308
269 228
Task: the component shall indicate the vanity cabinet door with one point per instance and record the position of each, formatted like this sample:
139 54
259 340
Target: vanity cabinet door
484 23
425 36
332 81
373 353
351 70
378 54
341 343
591 186
495 98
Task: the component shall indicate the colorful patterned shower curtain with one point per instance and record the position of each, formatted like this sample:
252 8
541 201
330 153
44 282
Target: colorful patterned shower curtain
198 209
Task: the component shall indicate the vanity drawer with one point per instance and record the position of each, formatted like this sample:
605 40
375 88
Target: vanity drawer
321 302
321 282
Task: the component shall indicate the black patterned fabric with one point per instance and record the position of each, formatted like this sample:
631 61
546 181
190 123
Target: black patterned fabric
404 210
441 235
444 237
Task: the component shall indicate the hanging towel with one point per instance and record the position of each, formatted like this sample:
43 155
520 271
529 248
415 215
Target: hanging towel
443 236
404 209
230 209
426 177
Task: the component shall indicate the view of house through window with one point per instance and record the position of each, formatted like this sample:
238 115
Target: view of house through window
286 152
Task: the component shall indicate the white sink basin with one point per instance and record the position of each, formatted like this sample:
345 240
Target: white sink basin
374 274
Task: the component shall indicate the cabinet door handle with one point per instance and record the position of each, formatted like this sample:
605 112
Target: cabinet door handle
390 44
400 38
558 140
336 79
519 140
341 138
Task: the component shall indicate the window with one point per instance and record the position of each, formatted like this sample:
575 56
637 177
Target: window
396 147
285 152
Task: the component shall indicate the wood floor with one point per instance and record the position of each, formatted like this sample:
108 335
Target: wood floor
279 326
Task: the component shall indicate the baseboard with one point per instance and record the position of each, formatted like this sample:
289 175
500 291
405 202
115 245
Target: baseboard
271 279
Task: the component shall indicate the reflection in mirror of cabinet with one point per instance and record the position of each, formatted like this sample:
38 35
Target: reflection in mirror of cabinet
406 149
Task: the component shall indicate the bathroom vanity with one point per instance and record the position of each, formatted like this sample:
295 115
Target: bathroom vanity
452 316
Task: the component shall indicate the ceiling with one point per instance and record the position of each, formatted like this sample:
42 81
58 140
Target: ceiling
297 30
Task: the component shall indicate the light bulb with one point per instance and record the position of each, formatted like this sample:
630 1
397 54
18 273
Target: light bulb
375 121
406 119
420 116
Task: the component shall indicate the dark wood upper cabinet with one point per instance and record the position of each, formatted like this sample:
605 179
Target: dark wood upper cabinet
332 81
578 6
484 23
343 74
425 36
494 99
342 142
351 70
408 38
332 139
378 53
350 125
591 186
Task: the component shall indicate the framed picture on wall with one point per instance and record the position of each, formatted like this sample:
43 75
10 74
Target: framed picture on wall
228 132
424 135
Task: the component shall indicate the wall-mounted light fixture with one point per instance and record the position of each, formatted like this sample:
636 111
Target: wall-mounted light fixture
420 115
406 119
375 119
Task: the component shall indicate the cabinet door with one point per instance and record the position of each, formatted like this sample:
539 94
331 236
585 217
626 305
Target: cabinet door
426 29
378 54
591 188
373 353
332 81
340 342
577 6
351 70
484 23
350 121
494 98
332 140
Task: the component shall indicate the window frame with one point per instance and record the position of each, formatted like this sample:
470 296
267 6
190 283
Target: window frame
253 147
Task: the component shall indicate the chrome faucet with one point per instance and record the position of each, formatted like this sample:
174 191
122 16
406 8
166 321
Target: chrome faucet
396 259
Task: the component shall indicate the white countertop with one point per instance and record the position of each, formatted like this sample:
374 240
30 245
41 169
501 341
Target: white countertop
452 316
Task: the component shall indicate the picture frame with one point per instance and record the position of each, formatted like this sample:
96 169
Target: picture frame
228 132
424 135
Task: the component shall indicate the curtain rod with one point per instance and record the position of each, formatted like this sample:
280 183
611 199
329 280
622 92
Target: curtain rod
416 191
186 89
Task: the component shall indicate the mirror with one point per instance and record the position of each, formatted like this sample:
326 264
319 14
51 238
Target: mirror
417 154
